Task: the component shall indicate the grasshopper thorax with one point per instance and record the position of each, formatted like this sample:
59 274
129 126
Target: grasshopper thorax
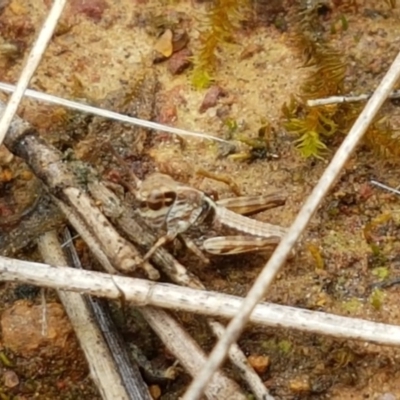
166 203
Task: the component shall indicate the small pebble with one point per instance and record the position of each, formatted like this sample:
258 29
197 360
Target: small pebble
300 384
5 156
259 363
10 379
211 98
155 391
179 61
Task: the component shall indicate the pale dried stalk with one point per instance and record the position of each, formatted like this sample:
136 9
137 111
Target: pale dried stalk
346 99
31 64
86 235
127 221
385 187
157 127
238 358
98 356
127 370
166 327
118 250
142 293
283 250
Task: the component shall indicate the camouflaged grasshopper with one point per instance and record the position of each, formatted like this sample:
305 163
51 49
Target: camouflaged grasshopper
177 210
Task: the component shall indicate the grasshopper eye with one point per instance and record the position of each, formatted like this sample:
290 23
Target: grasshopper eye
169 198
155 205
155 200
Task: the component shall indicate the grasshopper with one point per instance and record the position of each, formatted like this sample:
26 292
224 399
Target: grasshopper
178 209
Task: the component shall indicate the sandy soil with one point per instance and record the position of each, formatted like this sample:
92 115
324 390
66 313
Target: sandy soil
351 241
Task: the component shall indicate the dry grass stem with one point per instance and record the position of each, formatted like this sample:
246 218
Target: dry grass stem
177 337
385 187
128 372
98 356
346 99
142 293
194 358
86 235
101 112
282 252
31 64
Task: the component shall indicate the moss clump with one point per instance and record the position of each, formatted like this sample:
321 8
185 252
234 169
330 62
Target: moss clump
326 78
376 299
313 126
222 20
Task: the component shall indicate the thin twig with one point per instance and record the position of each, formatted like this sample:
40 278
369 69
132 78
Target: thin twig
31 64
97 353
86 235
127 371
48 98
142 293
388 188
282 252
347 99
166 328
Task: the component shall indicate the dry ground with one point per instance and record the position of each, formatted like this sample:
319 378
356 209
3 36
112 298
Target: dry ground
352 241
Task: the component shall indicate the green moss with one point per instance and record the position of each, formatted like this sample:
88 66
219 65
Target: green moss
376 299
5 360
282 346
316 255
222 20
351 306
381 273
285 346
312 126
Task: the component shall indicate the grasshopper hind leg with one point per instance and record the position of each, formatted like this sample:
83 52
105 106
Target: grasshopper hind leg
169 238
225 245
191 245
